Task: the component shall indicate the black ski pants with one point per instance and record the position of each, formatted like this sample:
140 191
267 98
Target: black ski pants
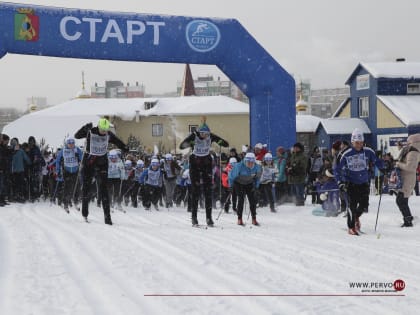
248 191
69 187
151 195
201 173
358 195
95 166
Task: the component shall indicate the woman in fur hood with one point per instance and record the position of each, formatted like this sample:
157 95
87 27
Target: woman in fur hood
407 162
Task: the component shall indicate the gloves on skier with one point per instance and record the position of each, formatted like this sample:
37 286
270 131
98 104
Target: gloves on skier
343 186
89 126
323 196
220 142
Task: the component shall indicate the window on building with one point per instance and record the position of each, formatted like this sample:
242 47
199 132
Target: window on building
149 105
157 130
413 88
192 128
364 106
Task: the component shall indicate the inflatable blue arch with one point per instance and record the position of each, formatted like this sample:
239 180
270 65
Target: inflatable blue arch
90 34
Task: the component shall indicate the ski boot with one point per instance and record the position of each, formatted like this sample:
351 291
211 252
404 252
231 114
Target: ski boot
210 222
357 225
108 220
353 231
194 220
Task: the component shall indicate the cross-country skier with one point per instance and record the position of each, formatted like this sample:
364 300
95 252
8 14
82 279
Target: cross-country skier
268 175
352 175
245 180
67 166
171 170
201 167
95 159
152 179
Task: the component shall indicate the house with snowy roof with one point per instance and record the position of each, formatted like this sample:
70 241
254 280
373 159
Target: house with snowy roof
386 96
333 129
156 122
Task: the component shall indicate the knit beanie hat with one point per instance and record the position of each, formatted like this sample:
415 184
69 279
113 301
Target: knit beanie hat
357 135
250 157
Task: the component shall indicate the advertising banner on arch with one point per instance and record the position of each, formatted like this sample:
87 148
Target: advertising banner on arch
90 34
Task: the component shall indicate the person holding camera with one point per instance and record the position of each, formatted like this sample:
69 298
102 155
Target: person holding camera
296 171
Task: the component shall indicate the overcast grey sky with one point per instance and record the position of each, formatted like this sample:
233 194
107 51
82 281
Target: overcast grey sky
319 40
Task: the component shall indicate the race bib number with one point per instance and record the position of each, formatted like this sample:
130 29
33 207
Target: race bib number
98 144
69 158
202 146
357 162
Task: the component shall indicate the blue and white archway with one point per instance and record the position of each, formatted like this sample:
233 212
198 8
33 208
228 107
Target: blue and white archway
91 34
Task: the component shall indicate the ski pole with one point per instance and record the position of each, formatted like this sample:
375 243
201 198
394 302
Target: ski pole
249 210
129 189
55 192
377 213
222 207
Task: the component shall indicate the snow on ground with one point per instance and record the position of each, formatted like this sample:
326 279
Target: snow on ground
294 263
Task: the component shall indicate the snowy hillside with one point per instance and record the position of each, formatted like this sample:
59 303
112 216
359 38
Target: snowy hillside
156 263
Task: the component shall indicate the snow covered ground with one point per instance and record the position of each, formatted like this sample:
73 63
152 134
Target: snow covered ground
156 263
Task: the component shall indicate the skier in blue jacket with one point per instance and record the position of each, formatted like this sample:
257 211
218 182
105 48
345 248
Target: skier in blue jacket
352 174
67 166
245 180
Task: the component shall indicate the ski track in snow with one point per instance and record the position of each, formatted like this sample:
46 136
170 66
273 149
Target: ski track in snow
54 263
94 262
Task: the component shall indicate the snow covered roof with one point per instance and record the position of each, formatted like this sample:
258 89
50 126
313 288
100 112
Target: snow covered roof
307 123
389 69
343 126
393 69
126 108
54 129
405 107
57 122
